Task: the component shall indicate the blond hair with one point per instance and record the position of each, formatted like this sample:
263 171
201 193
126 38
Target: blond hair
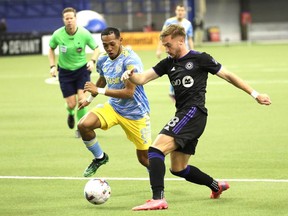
174 30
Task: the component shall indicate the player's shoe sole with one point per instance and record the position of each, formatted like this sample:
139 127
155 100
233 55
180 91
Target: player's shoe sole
96 163
152 205
222 187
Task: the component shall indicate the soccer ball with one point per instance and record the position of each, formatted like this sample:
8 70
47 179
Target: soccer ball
97 191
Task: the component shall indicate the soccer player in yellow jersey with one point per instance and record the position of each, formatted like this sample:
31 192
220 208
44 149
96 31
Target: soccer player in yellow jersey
127 105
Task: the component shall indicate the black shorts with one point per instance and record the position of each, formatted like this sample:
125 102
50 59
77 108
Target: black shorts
186 127
71 81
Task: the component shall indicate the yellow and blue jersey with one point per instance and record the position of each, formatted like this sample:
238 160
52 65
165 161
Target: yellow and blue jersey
112 70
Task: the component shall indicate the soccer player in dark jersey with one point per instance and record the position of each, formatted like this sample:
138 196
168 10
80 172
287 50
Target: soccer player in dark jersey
188 72
179 19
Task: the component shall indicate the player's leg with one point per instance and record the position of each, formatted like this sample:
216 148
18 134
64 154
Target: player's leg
139 133
142 156
102 116
81 112
69 91
162 145
187 141
192 174
70 103
86 127
83 77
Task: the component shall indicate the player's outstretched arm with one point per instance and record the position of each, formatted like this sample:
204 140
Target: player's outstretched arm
139 78
263 99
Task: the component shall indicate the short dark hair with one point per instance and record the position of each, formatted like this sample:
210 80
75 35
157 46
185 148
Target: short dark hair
69 9
111 30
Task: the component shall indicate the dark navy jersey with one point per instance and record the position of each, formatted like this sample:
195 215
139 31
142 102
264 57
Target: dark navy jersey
188 76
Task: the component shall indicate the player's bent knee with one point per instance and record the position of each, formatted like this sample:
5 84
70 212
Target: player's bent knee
144 161
81 126
143 158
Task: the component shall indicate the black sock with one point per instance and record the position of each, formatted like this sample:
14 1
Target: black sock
214 186
156 172
195 175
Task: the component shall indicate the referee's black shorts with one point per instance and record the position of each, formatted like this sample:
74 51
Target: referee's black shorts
186 127
71 81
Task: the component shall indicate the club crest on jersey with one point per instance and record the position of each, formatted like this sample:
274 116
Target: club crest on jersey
189 65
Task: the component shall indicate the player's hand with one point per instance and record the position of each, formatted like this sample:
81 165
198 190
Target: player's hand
83 103
263 99
53 71
90 87
127 74
90 65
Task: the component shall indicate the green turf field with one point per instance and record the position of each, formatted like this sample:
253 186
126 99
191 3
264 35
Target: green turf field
244 142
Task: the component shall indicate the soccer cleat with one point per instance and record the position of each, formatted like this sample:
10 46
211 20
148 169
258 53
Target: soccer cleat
222 187
71 121
96 163
152 205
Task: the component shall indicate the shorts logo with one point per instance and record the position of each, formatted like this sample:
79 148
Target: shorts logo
189 65
187 81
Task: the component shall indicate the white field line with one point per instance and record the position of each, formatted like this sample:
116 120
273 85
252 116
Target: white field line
132 179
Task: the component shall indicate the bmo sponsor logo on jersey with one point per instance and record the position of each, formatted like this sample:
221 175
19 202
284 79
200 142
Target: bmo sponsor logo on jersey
186 81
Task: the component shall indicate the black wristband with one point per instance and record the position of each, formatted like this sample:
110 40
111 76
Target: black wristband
52 66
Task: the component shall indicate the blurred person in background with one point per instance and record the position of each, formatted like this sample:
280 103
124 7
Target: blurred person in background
188 70
73 68
198 25
3 26
127 105
179 19
198 22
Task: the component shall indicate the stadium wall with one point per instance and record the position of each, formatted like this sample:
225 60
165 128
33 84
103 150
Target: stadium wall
269 19
136 40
